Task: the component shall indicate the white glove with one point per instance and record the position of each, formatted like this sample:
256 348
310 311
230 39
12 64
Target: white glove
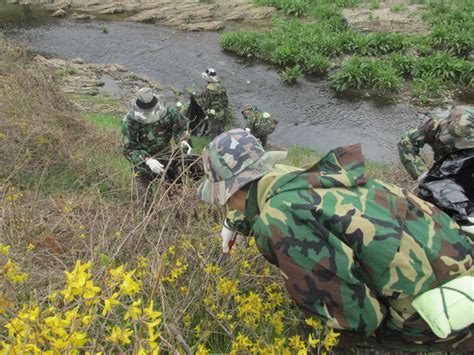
228 239
186 145
155 166
247 129
421 177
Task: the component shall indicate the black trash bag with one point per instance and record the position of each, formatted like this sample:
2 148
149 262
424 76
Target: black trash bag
182 168
449 185
198 121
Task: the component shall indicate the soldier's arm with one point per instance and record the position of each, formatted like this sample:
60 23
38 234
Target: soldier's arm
237 222
177 124
318 272
131 148
412 142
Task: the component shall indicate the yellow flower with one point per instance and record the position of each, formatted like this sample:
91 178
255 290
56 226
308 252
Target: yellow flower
314 323
30 247
120 335
150 313
201 350
4 249
330 339
129 286
312 342
108 303
296 343
133 311
227 287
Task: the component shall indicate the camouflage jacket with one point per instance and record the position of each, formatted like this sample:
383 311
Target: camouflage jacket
259 123
214 97
445 136
353 249
140 140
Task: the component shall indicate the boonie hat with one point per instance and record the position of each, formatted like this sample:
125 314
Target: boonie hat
231 161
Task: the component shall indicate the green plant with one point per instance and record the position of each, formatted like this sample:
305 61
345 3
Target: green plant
243 43
291 74
429 88
65 71
359 73
398 8
374 5
104 29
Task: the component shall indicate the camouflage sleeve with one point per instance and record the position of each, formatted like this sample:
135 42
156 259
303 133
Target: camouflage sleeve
412 141
177 123
131 147
236 221
318 270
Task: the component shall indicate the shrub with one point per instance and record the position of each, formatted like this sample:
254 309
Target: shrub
403 63
243 43
459 43
358 73
429 88
316 63
291 74
441 65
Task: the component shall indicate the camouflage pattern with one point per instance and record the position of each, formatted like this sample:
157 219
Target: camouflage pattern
214 102
355 251
232 160
261 124
140 141
445 135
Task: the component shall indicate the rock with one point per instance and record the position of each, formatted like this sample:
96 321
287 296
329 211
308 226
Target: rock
59 13
55 6
77 16
203 26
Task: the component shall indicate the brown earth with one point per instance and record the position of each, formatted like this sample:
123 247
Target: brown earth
391 16
191 15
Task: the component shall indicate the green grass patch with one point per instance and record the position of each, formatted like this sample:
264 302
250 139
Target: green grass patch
291 74
360 73
104 121
316 34
64 72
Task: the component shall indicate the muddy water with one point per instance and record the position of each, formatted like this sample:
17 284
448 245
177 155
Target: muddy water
310 114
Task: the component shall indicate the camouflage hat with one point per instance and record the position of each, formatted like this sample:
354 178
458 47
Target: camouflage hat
461 122
232 160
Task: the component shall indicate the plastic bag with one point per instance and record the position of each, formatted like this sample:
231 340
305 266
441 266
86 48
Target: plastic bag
449 185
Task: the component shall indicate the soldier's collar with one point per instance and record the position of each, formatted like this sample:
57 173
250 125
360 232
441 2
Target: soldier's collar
251 206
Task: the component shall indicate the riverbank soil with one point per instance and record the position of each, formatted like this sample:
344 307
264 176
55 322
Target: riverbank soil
190 15
387 16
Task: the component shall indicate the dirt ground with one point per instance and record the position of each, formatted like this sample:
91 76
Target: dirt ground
191 15
390 16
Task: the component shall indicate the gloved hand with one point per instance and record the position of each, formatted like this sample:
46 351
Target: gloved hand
187 146
422 177
228 239
247 129
155 166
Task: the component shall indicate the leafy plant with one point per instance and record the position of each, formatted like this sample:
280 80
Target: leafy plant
374 5
291 74
243 43
65 71
359 73
429 88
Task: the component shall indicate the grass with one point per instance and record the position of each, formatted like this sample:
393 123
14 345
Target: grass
315 37
69 205
64 72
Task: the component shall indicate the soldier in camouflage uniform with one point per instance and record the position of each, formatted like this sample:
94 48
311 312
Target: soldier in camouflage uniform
353 251
445 135
147 133
261 124
214 102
